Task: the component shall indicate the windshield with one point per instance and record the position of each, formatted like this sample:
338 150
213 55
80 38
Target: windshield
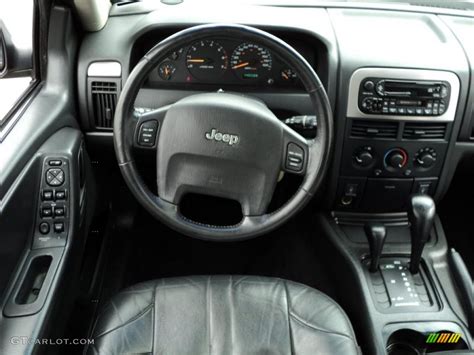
446 4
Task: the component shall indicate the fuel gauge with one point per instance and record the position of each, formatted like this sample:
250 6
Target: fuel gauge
288 74
166 70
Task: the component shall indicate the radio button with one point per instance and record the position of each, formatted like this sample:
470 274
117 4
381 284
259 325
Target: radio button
380 88
428 111
444 91
419 111
392 109
402 110
410 110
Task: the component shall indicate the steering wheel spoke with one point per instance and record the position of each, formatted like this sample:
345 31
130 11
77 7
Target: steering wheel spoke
147 127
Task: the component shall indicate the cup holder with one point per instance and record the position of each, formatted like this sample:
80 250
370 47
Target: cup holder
412 342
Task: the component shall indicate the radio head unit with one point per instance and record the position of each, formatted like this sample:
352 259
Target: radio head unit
384 96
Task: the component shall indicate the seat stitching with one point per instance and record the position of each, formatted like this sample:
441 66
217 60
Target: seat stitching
139 315
209 314
312 326
292 350
338 306
155 310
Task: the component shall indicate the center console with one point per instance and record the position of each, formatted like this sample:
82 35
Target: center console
394 255
397 129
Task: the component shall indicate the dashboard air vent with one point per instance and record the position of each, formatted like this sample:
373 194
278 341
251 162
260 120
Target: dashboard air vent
419 131
374 129
104 96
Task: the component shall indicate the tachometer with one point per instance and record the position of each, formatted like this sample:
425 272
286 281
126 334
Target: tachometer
251 61
206 60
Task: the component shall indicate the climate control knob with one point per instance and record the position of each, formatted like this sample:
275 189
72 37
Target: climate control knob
395 159
425 158
364 157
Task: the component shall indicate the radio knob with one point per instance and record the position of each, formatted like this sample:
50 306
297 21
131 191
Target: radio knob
395 159
425 158
364 157
369 85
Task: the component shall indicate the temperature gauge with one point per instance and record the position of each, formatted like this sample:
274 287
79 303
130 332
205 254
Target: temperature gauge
166 70
288 74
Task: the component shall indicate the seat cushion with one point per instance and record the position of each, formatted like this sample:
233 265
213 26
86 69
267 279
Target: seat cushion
222 315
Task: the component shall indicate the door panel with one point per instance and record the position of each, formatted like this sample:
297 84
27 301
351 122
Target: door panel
38 265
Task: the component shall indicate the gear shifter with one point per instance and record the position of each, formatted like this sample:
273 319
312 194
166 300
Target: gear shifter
376 234
421 213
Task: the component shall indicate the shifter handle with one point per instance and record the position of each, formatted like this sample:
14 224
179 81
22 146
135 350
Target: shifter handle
376 234
421 213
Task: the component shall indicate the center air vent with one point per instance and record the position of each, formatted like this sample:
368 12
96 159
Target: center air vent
423 130
104 96
374 129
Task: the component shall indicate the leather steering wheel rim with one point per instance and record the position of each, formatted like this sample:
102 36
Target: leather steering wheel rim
319 149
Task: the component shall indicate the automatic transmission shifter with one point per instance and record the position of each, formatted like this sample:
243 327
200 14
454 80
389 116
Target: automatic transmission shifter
376 234
421 213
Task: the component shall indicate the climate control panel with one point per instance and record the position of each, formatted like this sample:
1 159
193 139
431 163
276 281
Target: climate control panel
385 160
378 175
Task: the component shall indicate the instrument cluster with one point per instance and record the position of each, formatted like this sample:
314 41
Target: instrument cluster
224 62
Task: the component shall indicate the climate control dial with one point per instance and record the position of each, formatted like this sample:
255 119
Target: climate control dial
425 158
395 159
364 157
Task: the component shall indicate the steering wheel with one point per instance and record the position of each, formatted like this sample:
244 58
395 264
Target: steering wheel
222 144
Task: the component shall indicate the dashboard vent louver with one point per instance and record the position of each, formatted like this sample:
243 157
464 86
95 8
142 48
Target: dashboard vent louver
374 129
420 131
104 96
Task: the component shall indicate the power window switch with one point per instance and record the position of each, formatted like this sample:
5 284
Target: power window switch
59 211
60 195
47 195
46 212
58 227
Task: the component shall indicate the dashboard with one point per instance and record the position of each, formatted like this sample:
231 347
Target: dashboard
400 99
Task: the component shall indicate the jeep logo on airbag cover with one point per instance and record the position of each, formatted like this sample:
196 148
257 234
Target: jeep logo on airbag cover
215 135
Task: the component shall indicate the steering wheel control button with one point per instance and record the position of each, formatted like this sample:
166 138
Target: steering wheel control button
55 177
147 133
58 227
46 212
55 163
47 195
294 157
44 228
60 195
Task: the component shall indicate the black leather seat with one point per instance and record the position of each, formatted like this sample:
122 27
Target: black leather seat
222 315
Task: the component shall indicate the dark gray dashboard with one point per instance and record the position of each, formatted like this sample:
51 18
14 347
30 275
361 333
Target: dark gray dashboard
338 42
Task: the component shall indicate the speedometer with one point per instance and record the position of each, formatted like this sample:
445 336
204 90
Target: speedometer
250 61
206 60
